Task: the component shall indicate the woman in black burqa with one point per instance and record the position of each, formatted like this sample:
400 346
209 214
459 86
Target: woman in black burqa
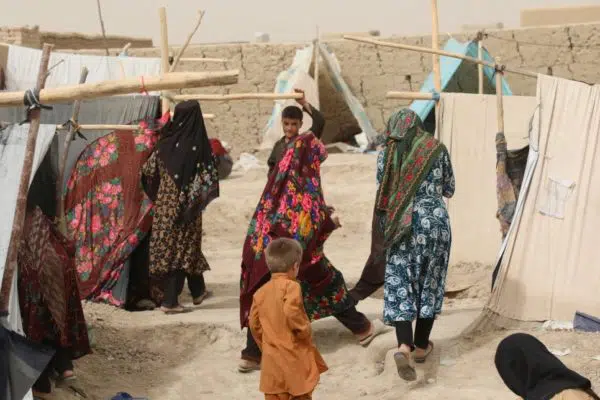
181 178
533 373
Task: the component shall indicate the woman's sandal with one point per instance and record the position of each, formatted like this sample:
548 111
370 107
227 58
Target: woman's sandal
174 310
405 367
198 300
71 382
423 358
377 328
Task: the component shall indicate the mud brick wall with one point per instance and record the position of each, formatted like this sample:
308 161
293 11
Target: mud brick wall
569 51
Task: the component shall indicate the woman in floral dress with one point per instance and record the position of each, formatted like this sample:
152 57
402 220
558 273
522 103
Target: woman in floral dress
414 174
181 178
292 205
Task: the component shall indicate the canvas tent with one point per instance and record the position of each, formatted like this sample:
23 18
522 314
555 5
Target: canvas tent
298 76
468 126
548 268
457 76
12 156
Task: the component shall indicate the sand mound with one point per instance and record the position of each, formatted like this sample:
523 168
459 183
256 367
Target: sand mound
195 355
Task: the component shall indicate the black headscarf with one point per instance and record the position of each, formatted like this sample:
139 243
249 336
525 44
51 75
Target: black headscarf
532 372
187 155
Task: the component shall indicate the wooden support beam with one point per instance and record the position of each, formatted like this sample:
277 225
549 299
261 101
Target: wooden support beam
204 59
439 52
164 51
435 44
236 96
412 95
21 206
175 80
187 41
60 211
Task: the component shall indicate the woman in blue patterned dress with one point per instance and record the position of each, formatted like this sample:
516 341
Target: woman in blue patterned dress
414 174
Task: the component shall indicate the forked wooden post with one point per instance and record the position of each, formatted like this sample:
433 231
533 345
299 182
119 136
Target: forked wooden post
187 41
164 51
19 218
60 210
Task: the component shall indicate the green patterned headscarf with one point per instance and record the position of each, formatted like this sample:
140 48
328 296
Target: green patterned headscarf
408 156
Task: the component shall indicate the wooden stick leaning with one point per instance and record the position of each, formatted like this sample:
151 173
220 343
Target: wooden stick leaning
19 218
187 42
164 52
60 210
102 27
439 52
175 80
236 96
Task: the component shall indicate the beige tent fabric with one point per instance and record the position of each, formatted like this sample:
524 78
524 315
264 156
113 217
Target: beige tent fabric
468 127
550 267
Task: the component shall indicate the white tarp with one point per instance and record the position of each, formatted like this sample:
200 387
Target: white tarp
468 127
549 269
23 64
296 76
12 155
359 113
13 140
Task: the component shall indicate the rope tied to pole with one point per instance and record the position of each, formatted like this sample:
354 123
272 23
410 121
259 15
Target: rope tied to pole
31 100
73 126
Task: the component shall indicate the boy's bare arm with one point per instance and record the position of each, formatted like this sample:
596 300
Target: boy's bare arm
293 308
254 325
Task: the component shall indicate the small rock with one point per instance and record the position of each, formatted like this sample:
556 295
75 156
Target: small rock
447 362
560 353
431 381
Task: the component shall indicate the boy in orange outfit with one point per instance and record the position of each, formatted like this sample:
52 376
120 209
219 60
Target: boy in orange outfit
291 364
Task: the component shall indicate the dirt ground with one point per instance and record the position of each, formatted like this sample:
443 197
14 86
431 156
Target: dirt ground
195 355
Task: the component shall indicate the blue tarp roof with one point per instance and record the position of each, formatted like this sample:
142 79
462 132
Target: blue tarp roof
448 67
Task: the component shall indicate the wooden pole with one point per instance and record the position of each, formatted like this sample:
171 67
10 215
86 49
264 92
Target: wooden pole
317 57
102 27
187 41
439 52
480 57
60 211
236 96
164 51
125 49
499 102
204 59
19 218
412 96
86 91
435 44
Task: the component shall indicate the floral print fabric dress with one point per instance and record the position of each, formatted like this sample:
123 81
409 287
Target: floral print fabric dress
107 211
416 267
293 205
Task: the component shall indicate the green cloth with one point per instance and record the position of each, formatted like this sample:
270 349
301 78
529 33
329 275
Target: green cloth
408 156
